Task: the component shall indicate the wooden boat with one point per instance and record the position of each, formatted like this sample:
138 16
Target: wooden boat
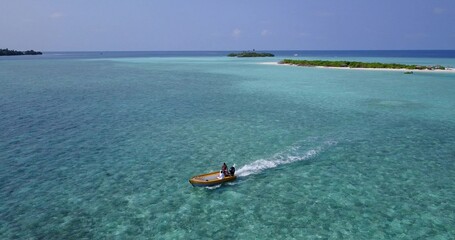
210 179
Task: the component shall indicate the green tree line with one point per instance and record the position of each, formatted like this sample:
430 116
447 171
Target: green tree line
353 64
250 54
7 52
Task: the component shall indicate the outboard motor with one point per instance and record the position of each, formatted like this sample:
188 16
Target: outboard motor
232 170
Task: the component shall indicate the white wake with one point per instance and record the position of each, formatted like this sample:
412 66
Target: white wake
293 154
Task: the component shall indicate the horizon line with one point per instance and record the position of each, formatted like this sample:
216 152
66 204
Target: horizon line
247 50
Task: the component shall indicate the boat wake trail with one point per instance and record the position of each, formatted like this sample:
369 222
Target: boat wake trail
293 154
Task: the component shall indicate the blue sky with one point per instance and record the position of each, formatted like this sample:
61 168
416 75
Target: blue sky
78 25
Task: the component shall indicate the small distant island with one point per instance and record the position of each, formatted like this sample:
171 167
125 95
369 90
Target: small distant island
349 64
250 54
7 52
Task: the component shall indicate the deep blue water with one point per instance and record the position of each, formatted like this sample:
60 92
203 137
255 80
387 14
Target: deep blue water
101 146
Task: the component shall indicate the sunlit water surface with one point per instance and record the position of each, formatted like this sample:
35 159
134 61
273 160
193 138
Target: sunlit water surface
102 148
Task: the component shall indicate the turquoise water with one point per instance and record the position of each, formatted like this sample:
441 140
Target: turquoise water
102 148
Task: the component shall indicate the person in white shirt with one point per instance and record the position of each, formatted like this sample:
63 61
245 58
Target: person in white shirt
221 176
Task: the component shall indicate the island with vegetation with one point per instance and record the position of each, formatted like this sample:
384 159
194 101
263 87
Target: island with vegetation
7 52
352 64
250 54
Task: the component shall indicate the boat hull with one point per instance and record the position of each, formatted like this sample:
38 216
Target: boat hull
210 179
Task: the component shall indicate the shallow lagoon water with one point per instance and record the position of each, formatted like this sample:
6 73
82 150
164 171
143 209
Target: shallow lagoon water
103 148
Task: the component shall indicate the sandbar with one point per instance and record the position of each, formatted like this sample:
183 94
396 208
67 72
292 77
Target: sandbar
447 70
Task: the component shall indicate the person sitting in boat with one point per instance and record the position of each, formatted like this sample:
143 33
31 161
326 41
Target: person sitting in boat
232 171
224 169
221 176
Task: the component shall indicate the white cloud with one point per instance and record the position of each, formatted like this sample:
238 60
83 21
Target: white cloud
438 10
265 32
236 33
323 14
415 36
56 15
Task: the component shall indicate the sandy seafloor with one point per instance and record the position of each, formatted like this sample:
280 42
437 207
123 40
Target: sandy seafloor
102 148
